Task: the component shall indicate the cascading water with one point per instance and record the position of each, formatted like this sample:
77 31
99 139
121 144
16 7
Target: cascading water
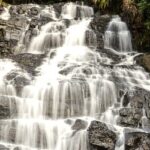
118 36
72 83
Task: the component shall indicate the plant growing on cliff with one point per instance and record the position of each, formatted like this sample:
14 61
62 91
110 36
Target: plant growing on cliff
102 3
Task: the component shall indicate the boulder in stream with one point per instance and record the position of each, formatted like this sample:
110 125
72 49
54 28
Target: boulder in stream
101 137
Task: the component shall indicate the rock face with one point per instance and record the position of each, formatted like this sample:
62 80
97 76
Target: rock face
28 61
144 61
10 34
99 25
137 140
8 108
135 103
100 137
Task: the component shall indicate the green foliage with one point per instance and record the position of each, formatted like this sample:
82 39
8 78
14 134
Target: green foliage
102 3
144 7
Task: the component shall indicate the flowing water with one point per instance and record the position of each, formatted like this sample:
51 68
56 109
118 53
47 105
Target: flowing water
71 83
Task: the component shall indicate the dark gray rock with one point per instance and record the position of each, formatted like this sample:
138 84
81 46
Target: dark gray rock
130 117
136 100
100 137
34 11
10 33
17 79
8 107
2 34
137 141
33 23
18 10
58 8
79 125
45 18
28 62
99 26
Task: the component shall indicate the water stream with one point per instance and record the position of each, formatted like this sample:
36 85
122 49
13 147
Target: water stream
71 83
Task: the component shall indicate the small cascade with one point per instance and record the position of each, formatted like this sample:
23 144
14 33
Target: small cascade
117 36
75 11
51 36
74 86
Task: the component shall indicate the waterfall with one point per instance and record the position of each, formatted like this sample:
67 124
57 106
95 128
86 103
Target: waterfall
73 82
118 36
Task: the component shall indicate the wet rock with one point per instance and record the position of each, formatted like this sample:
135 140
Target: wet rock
2 34
67 22
13 10
130 117
58 8
111 54
4 111
99 25
17 79
21 9
34 11
100 137
17 10
135 100
137 141
79 125
34 22
8 108
144 61
45 18
125 100
28 61
139 99
10 33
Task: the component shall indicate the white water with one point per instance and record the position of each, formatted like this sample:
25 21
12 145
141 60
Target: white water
5 14
72 83
118 36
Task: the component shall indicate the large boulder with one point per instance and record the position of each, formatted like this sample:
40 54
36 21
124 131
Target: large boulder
100 137
130 117
137 141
